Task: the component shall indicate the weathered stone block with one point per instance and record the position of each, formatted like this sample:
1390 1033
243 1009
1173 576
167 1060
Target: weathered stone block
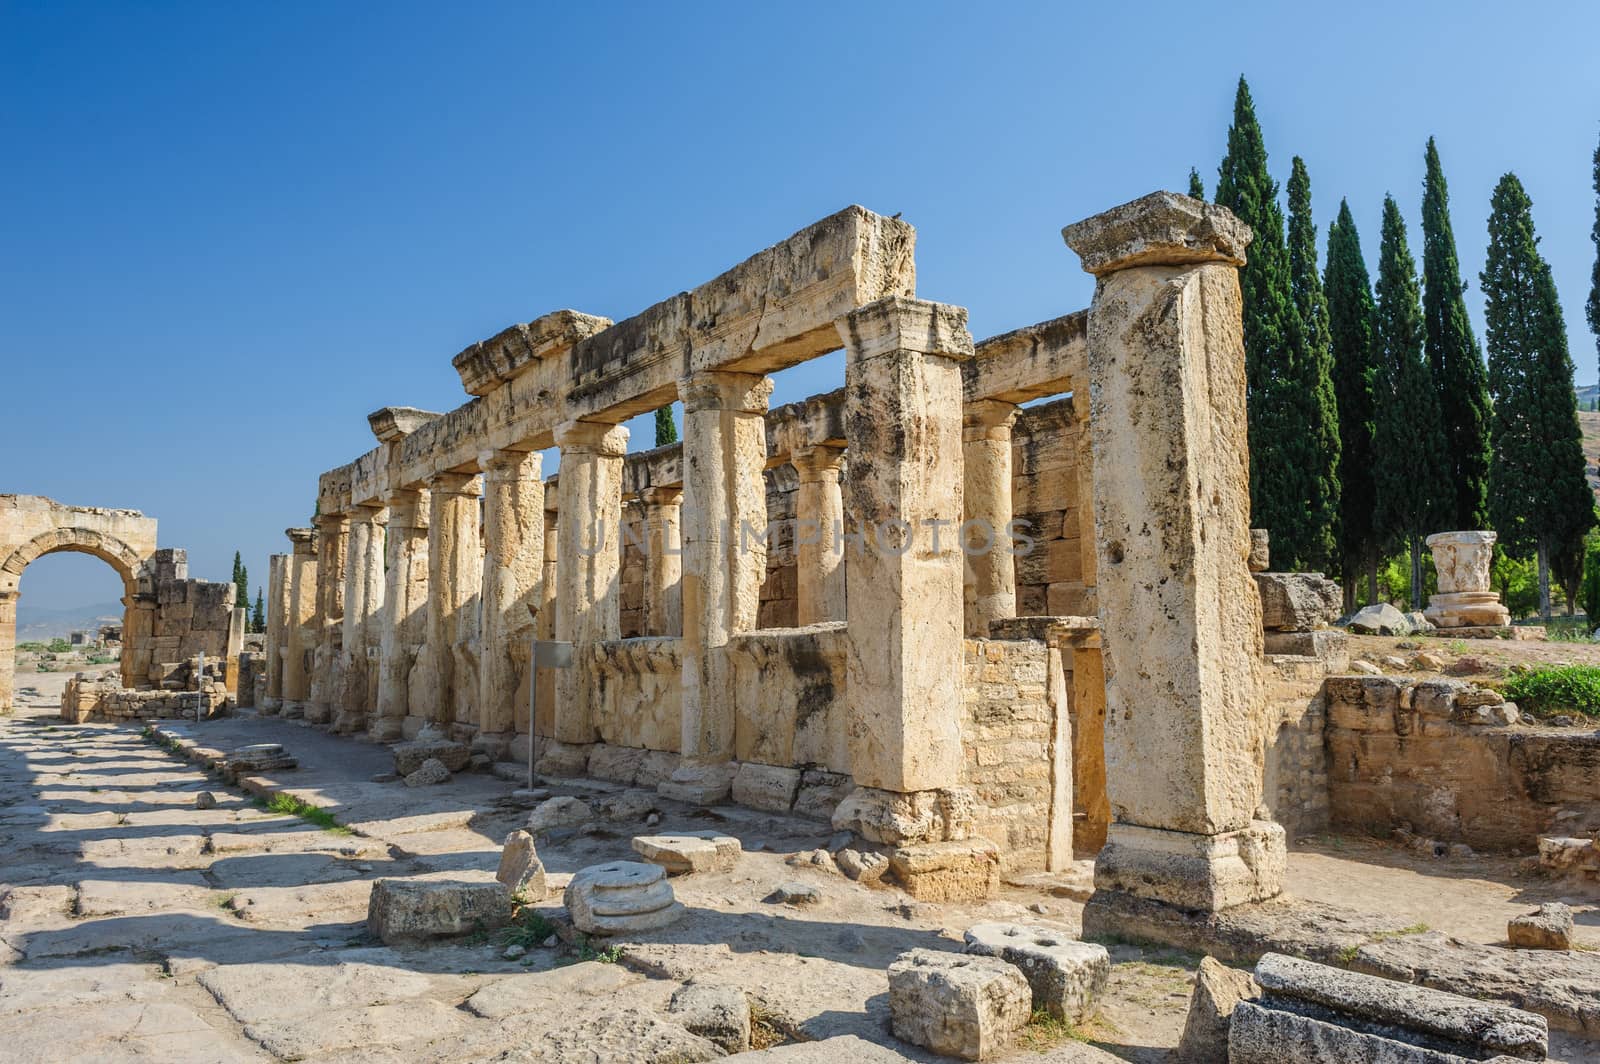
1066 976
520 868
1549 927
430 773
620 764
820 793
766 787
1218 990
964 1005
439 905
560 812
408 757
968 870
695 851
1297 602
720 1014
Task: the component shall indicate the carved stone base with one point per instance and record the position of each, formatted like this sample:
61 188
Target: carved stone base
1200 872
1467 609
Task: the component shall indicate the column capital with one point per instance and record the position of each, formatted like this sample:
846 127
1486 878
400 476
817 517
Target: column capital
1161 229
988 419
741 393
817 462
897 323
329 524
592 437
656 498
503 465
368 513
454 484
303 539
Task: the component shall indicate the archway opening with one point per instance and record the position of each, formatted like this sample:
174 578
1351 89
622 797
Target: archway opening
71 615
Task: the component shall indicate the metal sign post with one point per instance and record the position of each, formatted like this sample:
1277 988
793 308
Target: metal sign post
545 654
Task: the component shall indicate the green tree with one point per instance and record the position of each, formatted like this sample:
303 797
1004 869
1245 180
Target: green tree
1592 311
1315 448
1352 323
1197 187
666 428
258 619
1538 495
1454 358
1589 588
241 584
1408 441
1272 333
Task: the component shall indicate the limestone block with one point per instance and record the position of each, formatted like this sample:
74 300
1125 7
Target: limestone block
408 757
1163 228
1066 976
820 793
695 851
1208 872
560 812
520 868
1260 550
563 759
621 897
619 764
967 870
1218 989
1298 602
958 1004
657 767
1548 927
1379 619
720 1014
766 787
438 905
430 773
897 818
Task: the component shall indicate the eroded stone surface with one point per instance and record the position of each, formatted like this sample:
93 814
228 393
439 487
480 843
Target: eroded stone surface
1066 976
1218 990
621 897
438 905
520 868
965 1005
689 852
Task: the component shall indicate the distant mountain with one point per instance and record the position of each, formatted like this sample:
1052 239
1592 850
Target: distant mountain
38 624
1587 395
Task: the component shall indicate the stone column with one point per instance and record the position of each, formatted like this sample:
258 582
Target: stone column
455 568
277 615
363 605
724 562
1466 596
588 562
986 513
819 535
663 598
300 638
8 651
403 627
903 492
327 671
1182 639
513 575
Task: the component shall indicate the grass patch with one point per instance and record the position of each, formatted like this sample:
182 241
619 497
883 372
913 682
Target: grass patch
587 952
1044 1032
1348 954
289 805
1551 689
529 929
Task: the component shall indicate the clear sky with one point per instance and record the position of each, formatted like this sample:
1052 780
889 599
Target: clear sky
231 231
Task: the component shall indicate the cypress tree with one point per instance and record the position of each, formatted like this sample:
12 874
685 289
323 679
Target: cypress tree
258 620
1538 495
1316 444
1197 187
241 596
1408 441
1453 357
1592 311
1271 330
666 428
1352 322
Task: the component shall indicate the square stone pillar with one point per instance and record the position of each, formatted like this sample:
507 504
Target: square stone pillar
819 535
8 652
301 639
991 568
513 578
588 564
443 683
724 563
663 598
363 607
404 620
277 614
903 493
1181 619
327 669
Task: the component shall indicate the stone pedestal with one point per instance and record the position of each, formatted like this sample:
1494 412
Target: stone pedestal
405 597
1466 597
1182 638
819 550
991 585
513 575
300 638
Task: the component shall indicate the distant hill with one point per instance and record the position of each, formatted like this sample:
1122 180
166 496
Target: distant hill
1587 394
38 624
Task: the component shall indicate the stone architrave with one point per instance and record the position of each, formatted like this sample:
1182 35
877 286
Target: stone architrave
663 600
1186 710
300 639
403 624
277 612
363 606
1466 597
986 504
819 553
513 577
724 563
588 561
904 581
327 670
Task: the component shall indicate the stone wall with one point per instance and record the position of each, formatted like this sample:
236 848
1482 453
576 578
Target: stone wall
88 698
1434 756
1008 741
1045 493
1296 773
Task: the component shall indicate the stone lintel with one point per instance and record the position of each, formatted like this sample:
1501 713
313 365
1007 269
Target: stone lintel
660 467
488 364
394 423
1048 358
813 422
897 325
1161 229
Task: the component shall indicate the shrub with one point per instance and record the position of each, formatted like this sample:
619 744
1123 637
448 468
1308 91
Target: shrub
1557 688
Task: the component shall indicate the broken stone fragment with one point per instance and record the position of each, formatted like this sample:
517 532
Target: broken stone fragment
694 851
1548 927
205 800
1379 619
430 773
1218 989
964 1005
1297 602
720 1014
408 757
948 871
439 905
1065 975
793 892
560 812
621 897
864 866
520 868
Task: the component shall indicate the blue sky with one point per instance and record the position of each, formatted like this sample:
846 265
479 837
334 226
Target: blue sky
231 231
